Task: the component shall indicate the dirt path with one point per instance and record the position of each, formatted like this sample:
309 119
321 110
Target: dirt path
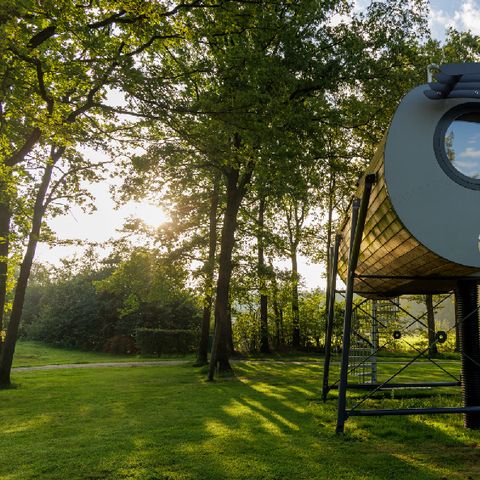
102 365
172 363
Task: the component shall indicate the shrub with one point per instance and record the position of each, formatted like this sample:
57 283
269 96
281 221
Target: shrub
158 341
120 345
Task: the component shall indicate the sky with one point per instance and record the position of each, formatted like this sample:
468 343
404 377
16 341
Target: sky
104 223
465 144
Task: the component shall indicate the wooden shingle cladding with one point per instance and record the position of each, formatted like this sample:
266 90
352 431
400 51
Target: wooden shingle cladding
388 249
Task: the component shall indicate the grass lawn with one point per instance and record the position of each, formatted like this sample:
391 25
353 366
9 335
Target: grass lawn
29 354
168 423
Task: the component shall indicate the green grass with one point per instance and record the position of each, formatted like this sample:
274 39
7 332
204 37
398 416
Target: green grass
28 354
267 423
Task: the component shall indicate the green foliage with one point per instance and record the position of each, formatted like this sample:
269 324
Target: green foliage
88 308
145 277
312 322
246 323
417 342
68 312
278 96
157 341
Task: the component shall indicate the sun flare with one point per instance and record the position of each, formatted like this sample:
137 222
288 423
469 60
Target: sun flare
151 215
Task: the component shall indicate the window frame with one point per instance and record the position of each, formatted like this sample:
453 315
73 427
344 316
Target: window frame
439 144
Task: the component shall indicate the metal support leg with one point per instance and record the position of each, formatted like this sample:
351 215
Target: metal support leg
347 326
467 302
330 317
374 338
359 214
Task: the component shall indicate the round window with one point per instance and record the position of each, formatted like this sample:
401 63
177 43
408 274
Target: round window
457 144
462 144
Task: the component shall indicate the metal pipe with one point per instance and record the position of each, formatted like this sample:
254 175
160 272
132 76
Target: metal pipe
374 336
412 411
373 386
359 215
330 317
429 71
413 277
347 325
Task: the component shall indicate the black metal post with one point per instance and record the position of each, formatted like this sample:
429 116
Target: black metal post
468 321
359 214
330 316
329 277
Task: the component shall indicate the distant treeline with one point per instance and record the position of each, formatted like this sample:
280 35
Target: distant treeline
141 304
103 307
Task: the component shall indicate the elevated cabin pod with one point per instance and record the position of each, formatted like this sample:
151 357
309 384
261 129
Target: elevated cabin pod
417 228
422 227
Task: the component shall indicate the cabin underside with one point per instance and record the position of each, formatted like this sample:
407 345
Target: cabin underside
392 262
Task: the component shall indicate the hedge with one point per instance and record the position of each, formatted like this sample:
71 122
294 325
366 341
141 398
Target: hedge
157 341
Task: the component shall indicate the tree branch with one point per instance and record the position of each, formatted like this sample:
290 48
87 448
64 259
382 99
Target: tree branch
25 149
41 37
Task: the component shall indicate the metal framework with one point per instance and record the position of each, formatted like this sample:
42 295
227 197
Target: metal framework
466 319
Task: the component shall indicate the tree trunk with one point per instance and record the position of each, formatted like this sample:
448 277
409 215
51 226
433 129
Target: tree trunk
331 192
236 189
264 346
229 339
276 310
282 332
6 357
432 350
202 358
295 308
5 216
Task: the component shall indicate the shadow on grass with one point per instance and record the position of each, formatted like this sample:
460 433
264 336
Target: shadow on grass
168 423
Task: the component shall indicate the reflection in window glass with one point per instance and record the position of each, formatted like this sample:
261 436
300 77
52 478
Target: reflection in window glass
462 144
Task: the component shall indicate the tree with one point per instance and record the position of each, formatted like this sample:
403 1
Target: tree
58 62
100 304
194 200
264 344
263 80
209 269
47 195
235 99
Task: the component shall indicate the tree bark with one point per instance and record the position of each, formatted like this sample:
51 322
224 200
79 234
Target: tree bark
5 216
282 332
295 307
264 346
331 192
236 188
202 358
8 350
276 310
432 350
229 339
